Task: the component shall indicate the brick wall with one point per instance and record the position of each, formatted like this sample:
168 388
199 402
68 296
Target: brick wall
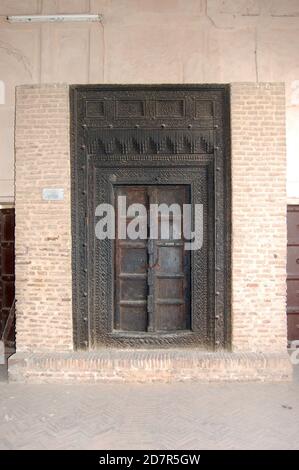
43 229
43 234
259 217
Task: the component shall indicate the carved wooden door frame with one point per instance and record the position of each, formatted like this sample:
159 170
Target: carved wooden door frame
151 134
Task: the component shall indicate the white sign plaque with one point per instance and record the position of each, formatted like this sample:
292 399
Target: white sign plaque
53 194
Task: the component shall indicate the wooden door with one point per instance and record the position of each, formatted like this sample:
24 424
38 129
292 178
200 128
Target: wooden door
169 266
7 267
131 268
162 141
152 274
293 273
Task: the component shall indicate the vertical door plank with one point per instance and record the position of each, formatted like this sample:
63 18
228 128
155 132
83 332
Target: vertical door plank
171 269
131 261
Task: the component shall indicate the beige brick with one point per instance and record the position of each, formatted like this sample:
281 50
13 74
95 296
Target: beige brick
43 234
258 217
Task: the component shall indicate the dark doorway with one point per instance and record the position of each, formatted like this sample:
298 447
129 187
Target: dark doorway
151 143
7 287
293 273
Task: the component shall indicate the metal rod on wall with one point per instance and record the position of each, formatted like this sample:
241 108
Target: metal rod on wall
53 18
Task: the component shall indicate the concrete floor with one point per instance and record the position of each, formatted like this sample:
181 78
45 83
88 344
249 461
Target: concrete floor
153 416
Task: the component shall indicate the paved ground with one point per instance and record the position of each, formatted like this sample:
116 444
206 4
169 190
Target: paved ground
153 416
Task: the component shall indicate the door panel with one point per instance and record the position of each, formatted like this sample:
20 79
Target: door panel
293 293
7 257
170 259
293 260
7 225
134 289
293 326
133 317
169 287
293 225
293 273
172 317
132 258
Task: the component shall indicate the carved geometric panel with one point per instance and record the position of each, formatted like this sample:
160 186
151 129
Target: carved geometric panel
130 108
170 108
203 108
155 141
95 109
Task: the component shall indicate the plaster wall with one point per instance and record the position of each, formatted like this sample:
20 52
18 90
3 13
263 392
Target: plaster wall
150 41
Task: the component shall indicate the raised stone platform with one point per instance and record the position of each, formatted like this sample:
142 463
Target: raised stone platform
148 366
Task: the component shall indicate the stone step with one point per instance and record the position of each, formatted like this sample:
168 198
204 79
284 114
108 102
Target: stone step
149 366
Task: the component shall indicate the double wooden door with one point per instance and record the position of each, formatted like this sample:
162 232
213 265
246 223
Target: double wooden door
152 272
153 144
